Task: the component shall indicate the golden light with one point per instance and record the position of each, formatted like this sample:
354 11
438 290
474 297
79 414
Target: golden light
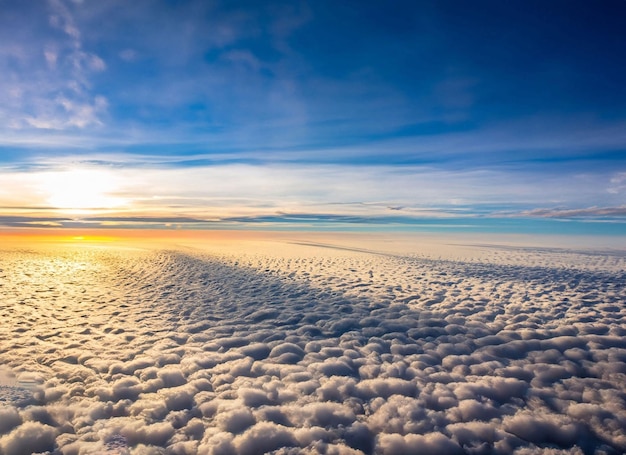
80 189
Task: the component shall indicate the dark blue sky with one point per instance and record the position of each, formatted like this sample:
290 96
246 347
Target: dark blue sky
519 104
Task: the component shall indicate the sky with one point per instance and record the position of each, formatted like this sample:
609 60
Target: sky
486 115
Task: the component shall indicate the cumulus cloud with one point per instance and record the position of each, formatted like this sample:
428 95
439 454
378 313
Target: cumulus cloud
29 438
285 348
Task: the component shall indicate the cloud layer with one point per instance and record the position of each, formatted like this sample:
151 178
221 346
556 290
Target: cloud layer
292 348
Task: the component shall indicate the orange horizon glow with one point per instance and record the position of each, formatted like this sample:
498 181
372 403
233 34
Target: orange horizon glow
397 242
71 235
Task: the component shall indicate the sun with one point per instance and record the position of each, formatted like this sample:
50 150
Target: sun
81 189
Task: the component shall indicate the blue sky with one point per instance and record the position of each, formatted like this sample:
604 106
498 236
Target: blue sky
240 113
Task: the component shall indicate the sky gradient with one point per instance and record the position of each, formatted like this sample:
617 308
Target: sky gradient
485 116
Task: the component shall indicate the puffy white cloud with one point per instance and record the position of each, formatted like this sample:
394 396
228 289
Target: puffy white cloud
264 437
429 444
540 429
9 419
29 438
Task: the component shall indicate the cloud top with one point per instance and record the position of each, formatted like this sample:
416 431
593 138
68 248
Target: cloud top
268 347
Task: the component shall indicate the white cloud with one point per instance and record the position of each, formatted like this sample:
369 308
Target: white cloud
51 56
30 437
617 183
128 55
52 87
62 19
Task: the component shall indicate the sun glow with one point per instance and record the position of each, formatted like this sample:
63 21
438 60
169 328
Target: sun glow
81 189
